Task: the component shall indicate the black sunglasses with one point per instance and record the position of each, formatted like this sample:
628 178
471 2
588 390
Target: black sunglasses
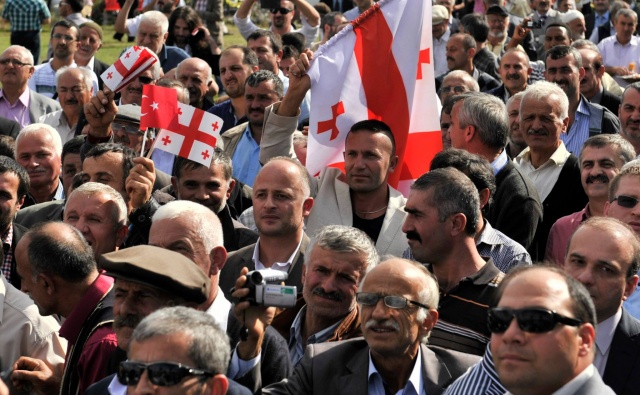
164 374
282 10
533 319
626 201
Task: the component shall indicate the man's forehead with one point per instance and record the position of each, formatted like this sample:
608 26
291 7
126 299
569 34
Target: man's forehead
70 77
599 153
555 31
65 30
630 183
262 87
149 27
14 53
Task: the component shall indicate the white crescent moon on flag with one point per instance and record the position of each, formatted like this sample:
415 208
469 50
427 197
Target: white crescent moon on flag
142 115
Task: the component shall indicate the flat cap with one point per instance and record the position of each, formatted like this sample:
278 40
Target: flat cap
497 10
129 112
93 26
158 268
439 14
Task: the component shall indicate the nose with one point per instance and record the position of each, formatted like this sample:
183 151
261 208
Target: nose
81 225
407 225
202 194
513 333
585 277
144 386
380 310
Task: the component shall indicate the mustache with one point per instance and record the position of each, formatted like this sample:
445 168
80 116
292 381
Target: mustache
413 235
384 323
599 177
127 321
540 132
513 76
327 295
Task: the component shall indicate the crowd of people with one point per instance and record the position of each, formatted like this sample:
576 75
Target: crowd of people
510 267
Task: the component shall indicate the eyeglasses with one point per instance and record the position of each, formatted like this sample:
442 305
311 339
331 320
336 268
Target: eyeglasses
145 80
14 62
393 301
164 374
626 201
456 89
127 128
282 10
66 37
533 320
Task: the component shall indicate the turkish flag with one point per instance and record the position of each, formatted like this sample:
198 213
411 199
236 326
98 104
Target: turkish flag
159 106
378 67
192 134
133 62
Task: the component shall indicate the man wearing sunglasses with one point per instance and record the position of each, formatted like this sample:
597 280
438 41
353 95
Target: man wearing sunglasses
281 18
398 300
457 82
178 350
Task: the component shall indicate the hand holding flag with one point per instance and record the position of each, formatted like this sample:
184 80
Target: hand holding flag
133 62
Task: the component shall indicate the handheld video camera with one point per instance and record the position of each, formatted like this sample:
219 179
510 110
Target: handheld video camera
534 24
265 289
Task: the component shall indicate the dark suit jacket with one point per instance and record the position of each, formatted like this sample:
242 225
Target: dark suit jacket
18 232
622 372
99 68
102 388
485 81
41 212
590 21
243 258
566 197
499 93
342 368
40 105
516 209
346 5
9 127
610 101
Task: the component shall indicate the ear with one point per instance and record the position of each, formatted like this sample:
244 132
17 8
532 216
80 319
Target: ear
174 185
600 72
218 257
48 283
471 52
122 234
279 56
430 321
565 125
459 223
629 286
607 204
232 184
164 37
587 335
304 273
307 205
581 72
530 71
469 133
393 162
219 384
484 197
19 203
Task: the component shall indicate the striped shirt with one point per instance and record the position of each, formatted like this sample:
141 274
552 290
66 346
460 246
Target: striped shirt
25 15
8 253
579 132
481 379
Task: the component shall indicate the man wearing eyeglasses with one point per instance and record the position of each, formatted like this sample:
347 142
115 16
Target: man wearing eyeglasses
74 89
178 350
629 114
543 338
457 82
281 18
398 300
64 42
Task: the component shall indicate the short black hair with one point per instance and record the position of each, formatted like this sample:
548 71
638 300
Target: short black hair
7 146
376 126
276 41
72 146
127 153
9 165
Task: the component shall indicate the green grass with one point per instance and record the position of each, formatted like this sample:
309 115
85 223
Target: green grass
111 48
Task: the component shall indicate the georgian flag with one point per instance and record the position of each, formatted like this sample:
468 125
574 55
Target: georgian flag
133 62
192 134
378 67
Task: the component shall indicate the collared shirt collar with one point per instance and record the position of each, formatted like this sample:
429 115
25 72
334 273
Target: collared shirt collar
115 388
413 386
296 342
23 98
444 38
488 235
605 331
501 161
282 266
219 310
558 157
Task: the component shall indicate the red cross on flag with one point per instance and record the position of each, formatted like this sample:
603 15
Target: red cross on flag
192 134
378 67
133 62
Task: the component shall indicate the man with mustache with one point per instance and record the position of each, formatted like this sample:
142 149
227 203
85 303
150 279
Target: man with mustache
555 172
89 43
502 28
398 301
515 70
620 51
73 85
601 159
515 143
443 218
629 114
545 16
575 20
339 257
196 75
64 43
242 143
591 86
563 66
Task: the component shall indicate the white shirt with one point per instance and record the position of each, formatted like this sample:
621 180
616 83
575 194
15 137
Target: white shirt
43 79
604 336
59 122
281 266
545 176
616 54
246 27
440 53
413 386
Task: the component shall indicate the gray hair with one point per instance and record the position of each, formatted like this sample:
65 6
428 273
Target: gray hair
85 73
156 18
470 83
625 12
119 212
624 149
209 345
25 52
635 86
345 239
571 15
585 44
517 96
37 129
205 222
299 137
453 193
550 93
260 76
489 116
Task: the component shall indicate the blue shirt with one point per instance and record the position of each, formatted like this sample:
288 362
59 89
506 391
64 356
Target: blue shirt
297 345
170 57
225 111
246 159
500 162
579 131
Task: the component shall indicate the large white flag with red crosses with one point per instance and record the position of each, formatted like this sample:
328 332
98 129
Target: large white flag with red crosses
133 62
192 134
378 67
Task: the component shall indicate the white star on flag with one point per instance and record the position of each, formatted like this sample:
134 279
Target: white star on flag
154 106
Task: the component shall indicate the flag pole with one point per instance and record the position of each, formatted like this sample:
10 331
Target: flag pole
153 146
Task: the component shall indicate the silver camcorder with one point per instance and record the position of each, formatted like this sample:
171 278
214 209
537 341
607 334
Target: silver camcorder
265 289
